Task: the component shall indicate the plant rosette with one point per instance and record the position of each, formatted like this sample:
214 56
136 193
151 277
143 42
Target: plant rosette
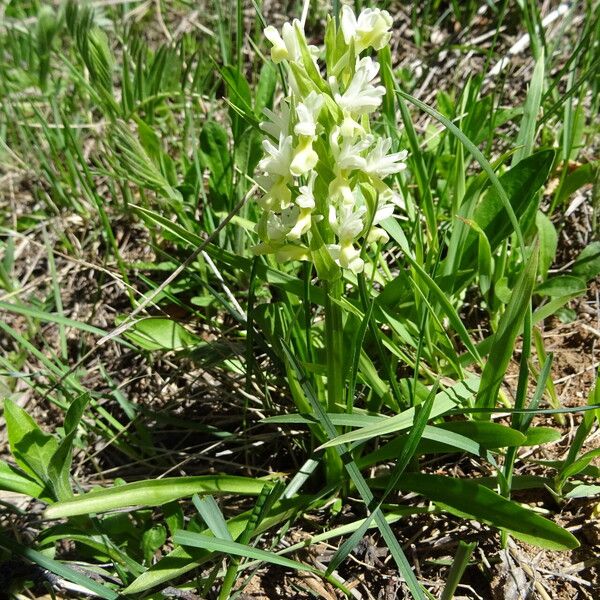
324 169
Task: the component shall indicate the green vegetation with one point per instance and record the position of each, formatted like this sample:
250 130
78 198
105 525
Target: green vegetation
178 397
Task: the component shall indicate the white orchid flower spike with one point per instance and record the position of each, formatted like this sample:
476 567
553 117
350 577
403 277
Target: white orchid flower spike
326 173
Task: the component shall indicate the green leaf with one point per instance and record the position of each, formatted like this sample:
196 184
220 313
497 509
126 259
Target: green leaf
548 242
30 446
152 540
536 436
444 402
562 285
265 89
197 540
213 517
506 334
470 500
531 108
153 493
216 157
14 480
58 568
583 175
489 435
583 491
160 333
521 184
60 463
587 264
182 560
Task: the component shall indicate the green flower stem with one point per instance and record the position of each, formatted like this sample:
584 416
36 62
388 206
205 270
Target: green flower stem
334 353
334 346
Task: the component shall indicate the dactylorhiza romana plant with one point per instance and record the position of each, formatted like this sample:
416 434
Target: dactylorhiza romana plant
324 170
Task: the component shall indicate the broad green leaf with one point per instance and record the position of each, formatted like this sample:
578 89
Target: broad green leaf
587 264
454 436
216 157
583 175
153 493
60 463
506 334
521 183
562 285
536 436
160 333
153 539
470 500
583 491
30 446
265 89
14 480
488 434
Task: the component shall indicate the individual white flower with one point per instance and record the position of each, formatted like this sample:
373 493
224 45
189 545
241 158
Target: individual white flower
350 128
386 195
340 190
347 257
278 158
377 236
371 29
286 45
292 252
346 151
360 97
275 229
302 224
278 124
306 198
278 194
347 222
308 112
305 158
379 163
